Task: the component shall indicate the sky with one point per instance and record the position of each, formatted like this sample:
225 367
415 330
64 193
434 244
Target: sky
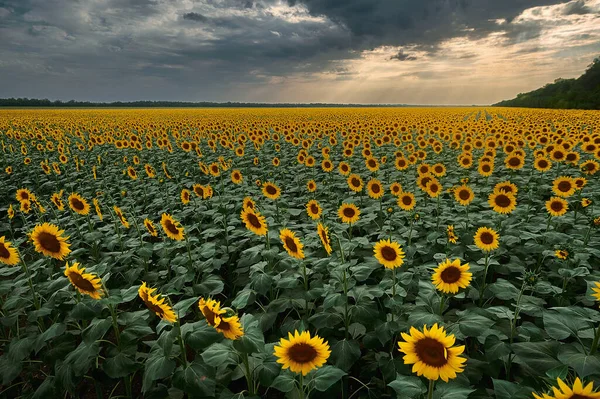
335 51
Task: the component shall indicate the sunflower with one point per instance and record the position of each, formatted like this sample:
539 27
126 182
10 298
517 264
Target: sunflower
502 202
514 162
248 202
433 188
557 206
422 180
199 190
150 171
254 221
291 243
23 194
313 209
542 164
230 327
439 170
596 290
311 186
585 202
49 241
486 239
211 310
8 254
172 228
156 304
580 182
223 320
349 213
131 173
464 195
25 206
78 204
590 167
485 169
372 164
121 217
85 283
355 183
450 276
507 187
214 169
578 391
236 176
375 189
185 196
344 168
56 199
431 353
452 237
406 201
270 190
302 353
10 212
323 232
564 186
150 227
389 253
97 208
396 189
561 254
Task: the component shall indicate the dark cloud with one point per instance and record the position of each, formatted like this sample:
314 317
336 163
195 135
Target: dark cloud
577 7
194 16
402 56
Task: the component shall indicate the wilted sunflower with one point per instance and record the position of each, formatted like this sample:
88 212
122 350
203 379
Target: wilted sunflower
355 183
271 190
464 195
185 196
56 199
172 228
432 353
78 204
450 276
236 176
564 186
349 213
121 217
291 243
150 227
323 232
557 206
8 254
254 221
389 253
86 283
578 391
406 201
375 189
49 241
156 304
313 209
502 202
301 353
486 239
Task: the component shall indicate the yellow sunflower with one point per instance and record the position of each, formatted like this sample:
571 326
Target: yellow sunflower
156 304
78 204
311 186
85 283
199 190
291 243
323 232
236 176
557 206
248 202
389 253
302 353
349 213
578 391
564 186
313 209
487 239
561 254
121 217
56 199
406 201
25 206
150 227
590 167
450 276
344 168
464 195
185 196
355 183
10 212
271 190
432 353
375 189
585 202
254 221
223 320
23 194
50 241
396 189
502 202
8 254
542 164
97 208
507 187
172 228
596 290
433 188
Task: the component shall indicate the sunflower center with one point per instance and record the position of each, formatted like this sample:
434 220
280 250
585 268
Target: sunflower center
451 275
431 352
209 315
556 206
434 188
375 188
81 283
406 200
349 212
355 182
156 309
425 180
4 254
485 167
49 242
372 163
77 204
503 201
302 353
171 227
486 238
578 396
506 189
464 195
291 244
314 209
271 190
324 237
223 325
564 186
514 161
543 163
254 220
199 192
389 253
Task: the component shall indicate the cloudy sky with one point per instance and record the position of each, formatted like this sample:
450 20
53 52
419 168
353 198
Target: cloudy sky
340 51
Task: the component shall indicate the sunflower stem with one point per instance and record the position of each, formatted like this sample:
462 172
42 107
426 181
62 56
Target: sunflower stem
301 388
181 345
485 271
115 323
248 374
30 283
412 220
594 347
187 244
430 390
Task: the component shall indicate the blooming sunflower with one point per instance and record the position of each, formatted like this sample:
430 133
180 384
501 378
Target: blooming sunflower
502 202
236 176
561 254
25 206
150 227
432 353
406 201
596 290
578 391
590 167
172 228
56 199
450 276
49 241
97 208
291 243
396 189
254 221
223 320
199 190
355 183
323 232
433 188
23 194
464 195
564 186
349 213
271 190
542 164
344 168
10 212
439 170
302 353
557 206
121 217
375 189
78 204
185 196
156 304
313 209
389 253
8 254
485 169
248 202
507 187
585 202
85 283
487 239
311 186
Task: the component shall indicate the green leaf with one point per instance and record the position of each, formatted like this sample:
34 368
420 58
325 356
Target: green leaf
327 376
510 390
119 366
253 340
196 379
216 354
584 365
53 331
536 357
243 298
284 382
181 308
561 323
408 386
96 330
156 367
451 390
345 353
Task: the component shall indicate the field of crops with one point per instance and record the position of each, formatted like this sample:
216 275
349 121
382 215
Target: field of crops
327 253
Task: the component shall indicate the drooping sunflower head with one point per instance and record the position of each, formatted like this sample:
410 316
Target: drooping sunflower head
323 232
313 209
557 206
160 307
86 283
271 190
230 327
406 201
375 189
122 218
149 224
502 202
487 239
8 254
50 241
185 196
355 183
172 228
291 243
79 204
254 221
56 199
432 354
389 253
211 310
450 276
302 353
349 213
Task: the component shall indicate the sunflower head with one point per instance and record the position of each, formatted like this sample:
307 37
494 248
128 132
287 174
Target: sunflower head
8 254
86 283
502 202
349 213
172 228
389 253
564 186
406 201
302 353
78 204
557 206
50 241
323 232
313 209
254 221
487 239
451 275
291 243
271 190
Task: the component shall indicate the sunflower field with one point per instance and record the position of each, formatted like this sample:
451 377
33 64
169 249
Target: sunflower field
440 253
